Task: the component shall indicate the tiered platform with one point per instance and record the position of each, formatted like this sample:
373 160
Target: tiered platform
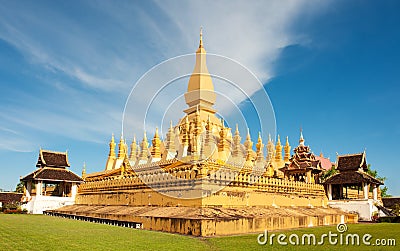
208 221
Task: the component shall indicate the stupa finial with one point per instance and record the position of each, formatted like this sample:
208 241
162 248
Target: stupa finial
301 140
201 37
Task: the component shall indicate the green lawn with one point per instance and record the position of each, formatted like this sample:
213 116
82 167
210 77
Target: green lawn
39 232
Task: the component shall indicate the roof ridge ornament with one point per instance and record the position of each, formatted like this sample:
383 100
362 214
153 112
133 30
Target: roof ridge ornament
301 140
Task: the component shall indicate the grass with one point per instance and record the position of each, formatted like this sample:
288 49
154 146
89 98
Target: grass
39 232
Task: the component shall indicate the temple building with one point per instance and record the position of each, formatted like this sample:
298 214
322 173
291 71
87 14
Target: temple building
352 188
303 166
51 185
203 179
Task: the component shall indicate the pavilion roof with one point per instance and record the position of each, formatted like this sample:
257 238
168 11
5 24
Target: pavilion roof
351 162
53 174
302 159
52 159
352 177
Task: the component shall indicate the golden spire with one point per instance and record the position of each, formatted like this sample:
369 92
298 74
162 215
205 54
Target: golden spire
121 147
170 142
155 151
112 146
270 149
144 149
260 148
259 144
132 154
185 132
125 149
200 92
248 138
137 153
223 144
278 150
287 150
145 144
111 155
248 144
236 143
84 170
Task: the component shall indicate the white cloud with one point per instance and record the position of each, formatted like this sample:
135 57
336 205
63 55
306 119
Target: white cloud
110 47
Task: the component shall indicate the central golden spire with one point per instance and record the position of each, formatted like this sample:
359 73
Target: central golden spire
200 92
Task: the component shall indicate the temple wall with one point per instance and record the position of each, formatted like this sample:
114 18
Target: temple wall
242 190
224 198
227 197
144 197
233 197
220 189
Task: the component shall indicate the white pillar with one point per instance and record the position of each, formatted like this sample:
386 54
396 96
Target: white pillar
74 190
329 191
375 192
28 189
39 188
365 190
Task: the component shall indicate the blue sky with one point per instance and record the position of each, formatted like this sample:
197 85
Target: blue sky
66 69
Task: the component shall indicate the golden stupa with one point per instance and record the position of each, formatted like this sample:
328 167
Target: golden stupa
202 179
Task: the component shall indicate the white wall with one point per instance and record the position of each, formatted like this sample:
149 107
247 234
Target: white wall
364 208
38 204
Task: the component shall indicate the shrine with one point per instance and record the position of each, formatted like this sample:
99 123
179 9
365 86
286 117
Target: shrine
51 185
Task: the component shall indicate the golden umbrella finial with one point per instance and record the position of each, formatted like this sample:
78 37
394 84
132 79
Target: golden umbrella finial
201 36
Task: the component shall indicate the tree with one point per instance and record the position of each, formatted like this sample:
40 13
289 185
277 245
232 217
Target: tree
384 192
396 209
20 187
329 173
374 173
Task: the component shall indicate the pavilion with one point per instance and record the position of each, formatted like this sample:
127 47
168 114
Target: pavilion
51 185
349 189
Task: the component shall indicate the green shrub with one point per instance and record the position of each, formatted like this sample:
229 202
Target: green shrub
389 219
13 208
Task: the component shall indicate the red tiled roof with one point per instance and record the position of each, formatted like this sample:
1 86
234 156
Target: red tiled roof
325 162
7 197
